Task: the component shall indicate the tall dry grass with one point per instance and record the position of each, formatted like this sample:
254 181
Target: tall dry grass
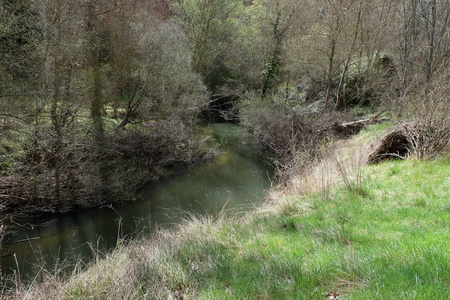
140 269
342 164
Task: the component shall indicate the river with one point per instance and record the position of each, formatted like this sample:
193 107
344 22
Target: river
235 181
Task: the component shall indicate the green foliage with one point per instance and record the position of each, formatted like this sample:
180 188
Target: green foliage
211 26
270 73
20 33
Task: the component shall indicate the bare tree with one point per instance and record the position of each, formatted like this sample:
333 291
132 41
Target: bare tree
60 19
425 38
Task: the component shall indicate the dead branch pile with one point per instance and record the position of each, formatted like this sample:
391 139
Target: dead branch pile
395 144
422 140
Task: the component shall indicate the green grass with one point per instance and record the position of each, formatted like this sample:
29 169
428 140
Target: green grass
370 133
386 240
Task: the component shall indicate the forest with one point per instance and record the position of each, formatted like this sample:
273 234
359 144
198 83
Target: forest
100 98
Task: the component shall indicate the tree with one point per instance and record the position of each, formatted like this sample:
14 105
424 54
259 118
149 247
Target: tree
210 28
93 64
425 38
59 18
20 33
340 22
280 25
335 41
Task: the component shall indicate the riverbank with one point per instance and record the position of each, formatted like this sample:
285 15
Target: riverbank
236 179
87 175
343 230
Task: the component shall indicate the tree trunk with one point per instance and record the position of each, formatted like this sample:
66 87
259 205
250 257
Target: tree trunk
56 122
95 91
339 103
430 60
330 74
95 95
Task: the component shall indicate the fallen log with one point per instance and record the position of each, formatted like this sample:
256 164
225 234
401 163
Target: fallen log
352 128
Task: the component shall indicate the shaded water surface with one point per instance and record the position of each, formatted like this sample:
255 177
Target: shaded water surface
235 180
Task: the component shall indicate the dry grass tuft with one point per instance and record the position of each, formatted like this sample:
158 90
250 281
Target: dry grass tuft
342 165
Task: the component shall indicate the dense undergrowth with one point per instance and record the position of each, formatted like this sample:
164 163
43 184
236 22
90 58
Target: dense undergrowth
381 233
130 159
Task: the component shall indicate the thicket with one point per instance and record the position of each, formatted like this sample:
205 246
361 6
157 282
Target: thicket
97 100
292 138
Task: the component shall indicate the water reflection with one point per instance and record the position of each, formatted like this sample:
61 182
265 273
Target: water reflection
235 180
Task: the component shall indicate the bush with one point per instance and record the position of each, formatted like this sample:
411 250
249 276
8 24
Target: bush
147 154
88 176
427 106
291 138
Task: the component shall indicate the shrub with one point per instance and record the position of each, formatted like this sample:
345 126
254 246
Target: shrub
280 131
293 139
427 106
88 176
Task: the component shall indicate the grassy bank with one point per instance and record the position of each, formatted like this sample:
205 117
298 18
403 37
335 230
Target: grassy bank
382 233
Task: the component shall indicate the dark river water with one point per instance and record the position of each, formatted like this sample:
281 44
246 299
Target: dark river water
235 181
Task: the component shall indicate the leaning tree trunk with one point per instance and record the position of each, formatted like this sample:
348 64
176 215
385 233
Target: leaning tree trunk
95 96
